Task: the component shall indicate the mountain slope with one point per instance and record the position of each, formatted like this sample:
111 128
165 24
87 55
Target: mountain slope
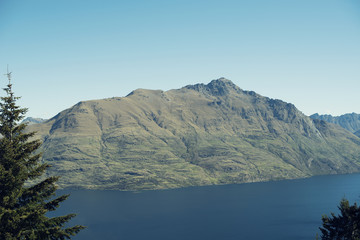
349 121
357 133
196 135
31 120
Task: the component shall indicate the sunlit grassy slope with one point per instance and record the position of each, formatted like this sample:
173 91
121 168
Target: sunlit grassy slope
196 135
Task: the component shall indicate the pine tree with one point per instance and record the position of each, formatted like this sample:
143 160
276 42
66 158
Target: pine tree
345 226
23 206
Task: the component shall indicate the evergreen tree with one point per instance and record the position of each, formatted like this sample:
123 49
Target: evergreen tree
23 206
345 226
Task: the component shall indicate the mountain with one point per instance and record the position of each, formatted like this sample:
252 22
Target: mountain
357 133
31 120
349 121
197 135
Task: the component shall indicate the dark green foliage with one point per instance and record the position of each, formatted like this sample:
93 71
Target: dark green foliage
345 226
22 205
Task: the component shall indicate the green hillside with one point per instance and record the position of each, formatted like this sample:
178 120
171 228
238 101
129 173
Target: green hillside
197 135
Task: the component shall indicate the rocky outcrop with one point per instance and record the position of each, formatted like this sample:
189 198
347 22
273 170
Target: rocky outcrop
349 121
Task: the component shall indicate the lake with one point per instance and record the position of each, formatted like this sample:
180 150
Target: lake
289 209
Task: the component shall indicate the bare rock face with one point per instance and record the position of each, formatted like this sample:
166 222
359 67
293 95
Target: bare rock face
349 121
197 135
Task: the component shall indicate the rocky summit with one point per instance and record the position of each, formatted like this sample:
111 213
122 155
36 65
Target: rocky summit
349 121
197 135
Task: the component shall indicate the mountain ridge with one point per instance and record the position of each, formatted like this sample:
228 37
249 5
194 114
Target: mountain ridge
32 120
200 134
349 121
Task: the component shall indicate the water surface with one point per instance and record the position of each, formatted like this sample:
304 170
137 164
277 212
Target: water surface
290 209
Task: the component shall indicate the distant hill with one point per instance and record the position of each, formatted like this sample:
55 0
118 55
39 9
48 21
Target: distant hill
31 120
197 135
349 121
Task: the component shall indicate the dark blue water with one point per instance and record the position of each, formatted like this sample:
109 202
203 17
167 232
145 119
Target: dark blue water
273 211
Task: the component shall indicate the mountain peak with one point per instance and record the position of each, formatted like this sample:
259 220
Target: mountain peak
202 134
217 87
223 79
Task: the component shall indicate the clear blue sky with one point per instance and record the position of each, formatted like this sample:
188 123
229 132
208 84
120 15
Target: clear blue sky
61 52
